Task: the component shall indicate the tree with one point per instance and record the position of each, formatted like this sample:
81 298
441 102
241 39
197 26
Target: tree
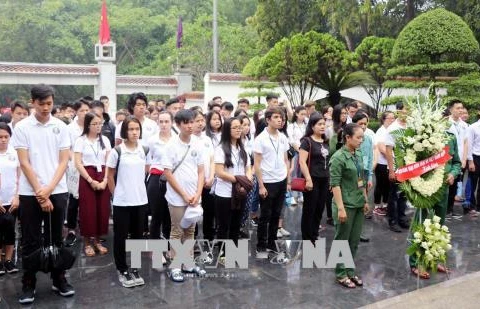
433 45
277 19
306 61
259 87
465 89
374 57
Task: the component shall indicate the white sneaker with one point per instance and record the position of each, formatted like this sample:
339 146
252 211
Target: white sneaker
279 234
136 277
284 232
126 279
262 255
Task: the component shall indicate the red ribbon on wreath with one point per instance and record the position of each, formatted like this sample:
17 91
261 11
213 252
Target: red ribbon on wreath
419 168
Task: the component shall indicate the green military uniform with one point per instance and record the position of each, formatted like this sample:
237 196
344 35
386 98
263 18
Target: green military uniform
345 171
454 167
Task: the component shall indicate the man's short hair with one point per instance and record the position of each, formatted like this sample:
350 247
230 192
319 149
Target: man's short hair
227 106
271 96
41 92
19 104
184 116
132 100
243 100
171 101
78 104
274 110
103 97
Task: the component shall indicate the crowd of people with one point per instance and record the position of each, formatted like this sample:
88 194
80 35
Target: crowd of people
158 162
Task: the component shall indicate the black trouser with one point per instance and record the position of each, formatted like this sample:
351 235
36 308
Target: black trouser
7 227
126 219
72 212
270 210
31 216
329 203
229 220
208 205
313 205
475 196
382 185
396 205
158 207
452 192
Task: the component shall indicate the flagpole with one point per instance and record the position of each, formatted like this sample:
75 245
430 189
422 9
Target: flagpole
215 38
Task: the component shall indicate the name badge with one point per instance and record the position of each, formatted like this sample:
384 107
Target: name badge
99 168
360 183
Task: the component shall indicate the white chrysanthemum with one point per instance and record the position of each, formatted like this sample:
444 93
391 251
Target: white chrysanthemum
417 235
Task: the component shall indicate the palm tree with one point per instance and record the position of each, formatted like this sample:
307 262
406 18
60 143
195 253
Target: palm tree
335 82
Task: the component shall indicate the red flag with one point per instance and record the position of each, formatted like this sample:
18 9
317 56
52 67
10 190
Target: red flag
104 32
179 33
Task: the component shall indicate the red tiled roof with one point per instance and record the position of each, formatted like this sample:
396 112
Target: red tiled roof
147 80
193 95
228 77
37 68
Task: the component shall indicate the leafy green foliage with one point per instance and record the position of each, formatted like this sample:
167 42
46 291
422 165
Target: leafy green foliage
465 89
435 69
435 36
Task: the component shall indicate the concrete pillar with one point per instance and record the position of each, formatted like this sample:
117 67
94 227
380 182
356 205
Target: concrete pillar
107 81
184 80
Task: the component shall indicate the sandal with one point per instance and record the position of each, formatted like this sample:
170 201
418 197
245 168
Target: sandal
443 269
89 251
422 274
356 280
346 282
101 249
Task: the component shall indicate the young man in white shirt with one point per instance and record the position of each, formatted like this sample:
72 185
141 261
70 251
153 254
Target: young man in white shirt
397 202
75 130
271 165
43 148
459 129
184 169
20 111
173 106
137 106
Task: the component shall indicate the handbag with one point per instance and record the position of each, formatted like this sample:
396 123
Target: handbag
49 258
299 183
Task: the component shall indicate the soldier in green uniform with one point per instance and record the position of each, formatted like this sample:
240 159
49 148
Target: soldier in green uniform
452 169
350 198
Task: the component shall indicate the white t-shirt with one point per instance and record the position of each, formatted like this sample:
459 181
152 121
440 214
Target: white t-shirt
156 152
149 129
130 188
459 129
186 173
224 188
8 173
74 131
389 138
273 151
44 143
207 150
92 152
380 138
295 133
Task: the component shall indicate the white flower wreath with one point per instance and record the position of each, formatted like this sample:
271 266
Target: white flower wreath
425 186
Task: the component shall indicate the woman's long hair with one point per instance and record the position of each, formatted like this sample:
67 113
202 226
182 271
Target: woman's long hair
314 118
337 118
226 143
208 128
86 128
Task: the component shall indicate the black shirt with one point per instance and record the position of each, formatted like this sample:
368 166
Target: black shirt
318 157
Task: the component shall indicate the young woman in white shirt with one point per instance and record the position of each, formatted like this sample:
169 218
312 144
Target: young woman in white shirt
9 173
296 129
208 205
213 127
231 160
129 196
91 150
156 188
